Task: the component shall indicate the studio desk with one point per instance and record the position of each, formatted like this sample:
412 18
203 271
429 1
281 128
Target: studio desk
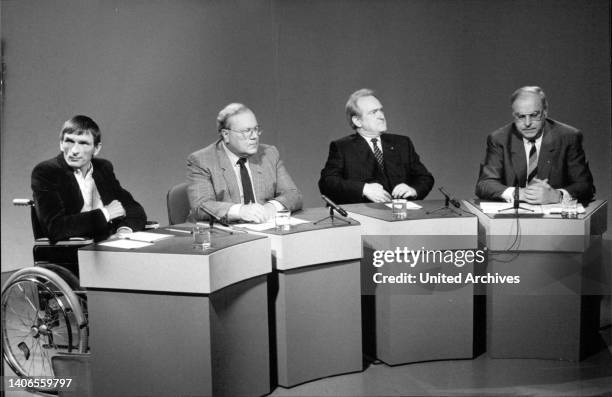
288 307
553 313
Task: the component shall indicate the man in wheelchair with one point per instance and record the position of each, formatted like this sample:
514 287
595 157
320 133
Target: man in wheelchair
77 195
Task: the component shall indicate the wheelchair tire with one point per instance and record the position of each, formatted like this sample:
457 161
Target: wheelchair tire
41 317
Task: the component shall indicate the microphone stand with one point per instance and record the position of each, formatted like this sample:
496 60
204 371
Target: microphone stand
446 206
332 217
515 205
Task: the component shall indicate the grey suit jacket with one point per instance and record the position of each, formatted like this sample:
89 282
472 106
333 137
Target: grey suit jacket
213 183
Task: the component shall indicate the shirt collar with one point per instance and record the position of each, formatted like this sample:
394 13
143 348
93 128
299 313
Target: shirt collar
233 158
87 173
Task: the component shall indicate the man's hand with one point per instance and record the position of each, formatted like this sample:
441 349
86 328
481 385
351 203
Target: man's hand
376 193
115 209
540 192
254 212
403 191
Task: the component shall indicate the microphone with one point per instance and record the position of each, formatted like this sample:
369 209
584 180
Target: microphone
213 216
516 196
452 200
336 208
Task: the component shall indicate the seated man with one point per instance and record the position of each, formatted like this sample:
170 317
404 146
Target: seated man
372 165
77 195
541 156
237 178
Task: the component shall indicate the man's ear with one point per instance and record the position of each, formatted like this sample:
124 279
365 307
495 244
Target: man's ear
97 150
224 135
356 121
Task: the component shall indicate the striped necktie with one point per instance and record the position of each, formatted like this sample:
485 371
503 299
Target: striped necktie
532 166
378 154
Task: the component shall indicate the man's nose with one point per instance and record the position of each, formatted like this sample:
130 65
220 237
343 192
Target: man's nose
74 149
527 120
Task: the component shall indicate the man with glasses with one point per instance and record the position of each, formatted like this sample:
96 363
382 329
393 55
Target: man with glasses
372 165
541 156
237 178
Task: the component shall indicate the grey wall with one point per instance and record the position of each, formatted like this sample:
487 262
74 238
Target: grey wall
155 73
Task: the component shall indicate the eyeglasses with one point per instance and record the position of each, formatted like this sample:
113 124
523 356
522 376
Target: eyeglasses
535 116
248 133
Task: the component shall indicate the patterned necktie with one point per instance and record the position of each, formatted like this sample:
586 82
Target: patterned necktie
378 153
247 188
532 167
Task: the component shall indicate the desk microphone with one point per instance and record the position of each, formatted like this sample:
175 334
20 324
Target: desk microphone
213 216
336 208
452 200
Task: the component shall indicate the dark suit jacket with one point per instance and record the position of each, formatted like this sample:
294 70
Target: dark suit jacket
561 161
351 164
58 201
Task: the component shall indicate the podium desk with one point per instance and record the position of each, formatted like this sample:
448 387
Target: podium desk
553 312
318 302
168 319
425 319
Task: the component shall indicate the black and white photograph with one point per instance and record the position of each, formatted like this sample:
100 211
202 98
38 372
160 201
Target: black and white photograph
306 198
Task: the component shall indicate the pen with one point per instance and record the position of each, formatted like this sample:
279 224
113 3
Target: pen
179 230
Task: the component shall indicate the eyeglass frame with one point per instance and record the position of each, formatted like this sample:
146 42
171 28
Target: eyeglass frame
246 134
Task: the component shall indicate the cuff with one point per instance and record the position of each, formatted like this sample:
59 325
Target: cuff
124 230
106 214
234 212
277 205
565 195
508 194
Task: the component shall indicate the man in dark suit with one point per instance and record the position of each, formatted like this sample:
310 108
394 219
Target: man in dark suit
236 177
542 156
371 164
77 195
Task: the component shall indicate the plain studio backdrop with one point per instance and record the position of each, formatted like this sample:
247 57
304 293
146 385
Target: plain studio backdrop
154 75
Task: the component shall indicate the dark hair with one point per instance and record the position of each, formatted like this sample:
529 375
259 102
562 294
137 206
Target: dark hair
80 125
351 104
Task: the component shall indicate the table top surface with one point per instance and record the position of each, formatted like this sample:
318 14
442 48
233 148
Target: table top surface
431 209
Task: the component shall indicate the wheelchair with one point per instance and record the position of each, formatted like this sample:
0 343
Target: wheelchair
44 310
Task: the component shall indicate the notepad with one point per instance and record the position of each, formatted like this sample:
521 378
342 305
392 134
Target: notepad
409 205
145 236
125 244
270 224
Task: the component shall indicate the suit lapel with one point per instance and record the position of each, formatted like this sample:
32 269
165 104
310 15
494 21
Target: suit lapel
391 156
257 176
228 174
363 152
547 151
517 153
72 186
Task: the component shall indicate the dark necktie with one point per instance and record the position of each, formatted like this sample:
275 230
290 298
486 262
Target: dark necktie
247 188
532 167
378 154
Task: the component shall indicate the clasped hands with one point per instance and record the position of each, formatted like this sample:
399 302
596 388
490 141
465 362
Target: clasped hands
257 213
377 194
539 192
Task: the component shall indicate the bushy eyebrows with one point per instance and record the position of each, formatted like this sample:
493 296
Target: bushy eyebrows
78 139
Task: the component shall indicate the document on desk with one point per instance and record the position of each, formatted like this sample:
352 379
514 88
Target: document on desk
409 205
145 236
258 227
125 244
495 207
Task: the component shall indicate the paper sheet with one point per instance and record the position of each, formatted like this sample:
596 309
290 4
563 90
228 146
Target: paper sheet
268 225
125 244
410 205
145 236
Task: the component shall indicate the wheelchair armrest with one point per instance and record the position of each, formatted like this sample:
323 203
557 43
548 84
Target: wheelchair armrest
71 242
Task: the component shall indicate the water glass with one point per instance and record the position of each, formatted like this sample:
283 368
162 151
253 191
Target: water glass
282 219
569 207
398 208
201 235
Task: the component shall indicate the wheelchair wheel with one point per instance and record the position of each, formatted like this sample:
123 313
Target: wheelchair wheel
41 318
